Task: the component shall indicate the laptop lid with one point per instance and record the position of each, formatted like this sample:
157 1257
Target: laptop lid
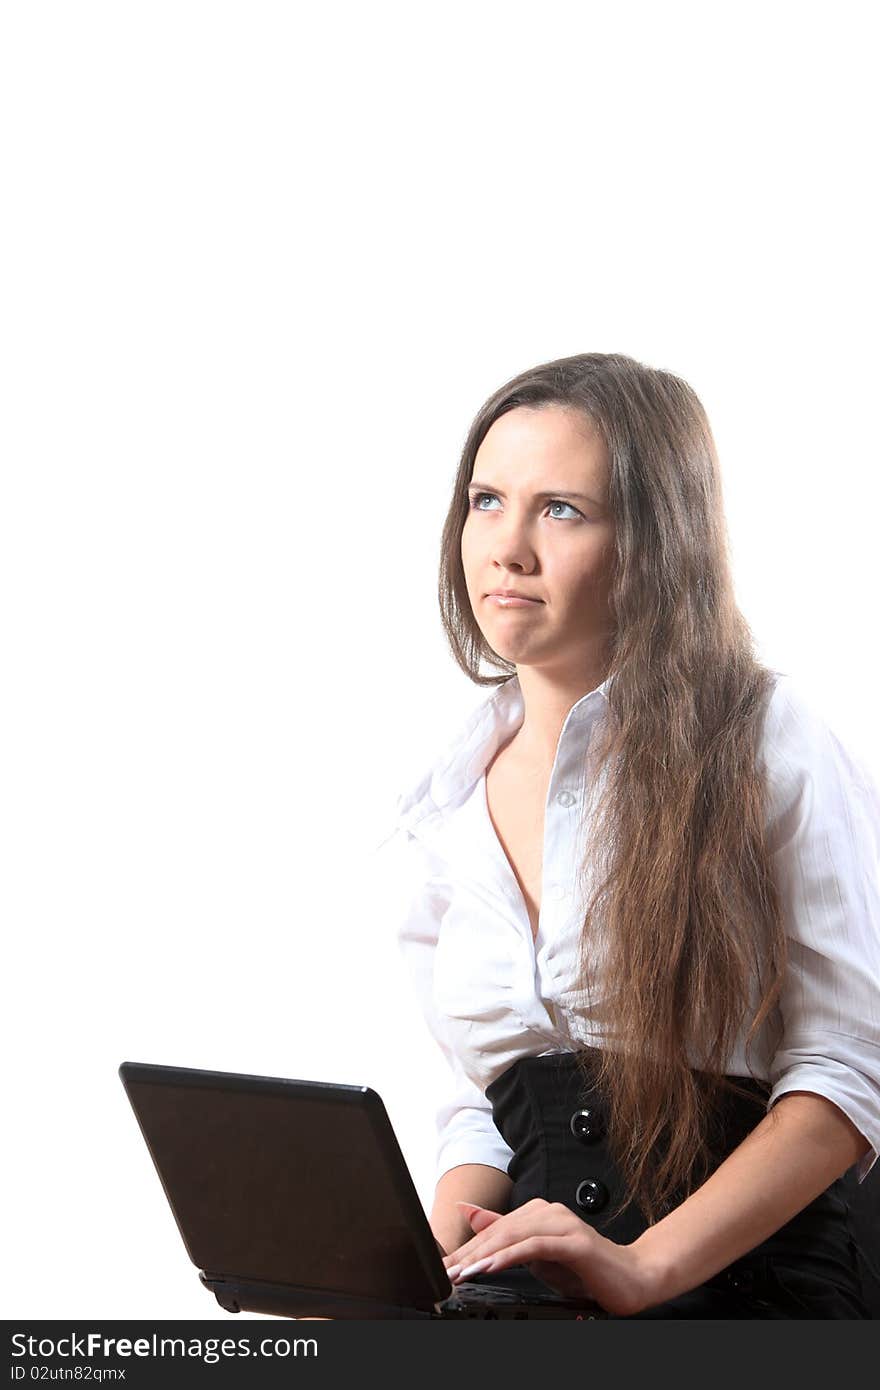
293 1184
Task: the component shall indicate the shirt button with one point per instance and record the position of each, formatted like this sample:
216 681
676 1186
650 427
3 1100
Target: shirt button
591 1195
587 1125
566 798
556 891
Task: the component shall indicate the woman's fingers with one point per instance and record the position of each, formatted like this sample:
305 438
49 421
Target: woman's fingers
479 1217
563 1251
532 1248
505 1231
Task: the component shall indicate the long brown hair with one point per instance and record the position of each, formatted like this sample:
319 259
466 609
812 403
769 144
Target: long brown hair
684 905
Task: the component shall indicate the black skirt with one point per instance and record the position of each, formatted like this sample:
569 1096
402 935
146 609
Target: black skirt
555 1127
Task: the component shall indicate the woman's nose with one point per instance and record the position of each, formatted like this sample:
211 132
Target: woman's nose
511 557
512 545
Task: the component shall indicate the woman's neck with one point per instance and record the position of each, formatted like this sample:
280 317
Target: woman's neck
547 702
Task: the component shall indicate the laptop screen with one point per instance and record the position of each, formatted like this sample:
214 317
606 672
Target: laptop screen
289 1182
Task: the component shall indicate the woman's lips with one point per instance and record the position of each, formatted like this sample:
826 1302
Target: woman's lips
503 601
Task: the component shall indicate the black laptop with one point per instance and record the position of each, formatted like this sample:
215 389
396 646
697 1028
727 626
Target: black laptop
293 1199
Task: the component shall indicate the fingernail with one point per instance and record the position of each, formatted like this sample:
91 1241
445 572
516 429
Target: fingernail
453 1270
478 1268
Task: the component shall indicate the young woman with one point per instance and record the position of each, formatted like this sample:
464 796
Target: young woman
642 911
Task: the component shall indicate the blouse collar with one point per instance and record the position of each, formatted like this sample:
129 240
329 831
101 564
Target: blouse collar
452 776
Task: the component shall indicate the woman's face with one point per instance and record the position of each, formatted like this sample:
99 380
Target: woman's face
523 533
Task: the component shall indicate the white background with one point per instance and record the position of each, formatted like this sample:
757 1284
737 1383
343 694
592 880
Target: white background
261 265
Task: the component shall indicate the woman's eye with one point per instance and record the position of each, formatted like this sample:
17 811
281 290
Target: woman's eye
477 499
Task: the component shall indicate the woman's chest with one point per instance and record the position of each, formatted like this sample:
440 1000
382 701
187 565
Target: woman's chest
516 802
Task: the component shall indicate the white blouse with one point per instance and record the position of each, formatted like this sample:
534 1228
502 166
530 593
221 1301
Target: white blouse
491 994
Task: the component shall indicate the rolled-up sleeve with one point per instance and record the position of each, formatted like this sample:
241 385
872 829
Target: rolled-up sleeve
418 894
824 838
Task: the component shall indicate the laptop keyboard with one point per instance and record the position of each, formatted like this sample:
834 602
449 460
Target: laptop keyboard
501 1295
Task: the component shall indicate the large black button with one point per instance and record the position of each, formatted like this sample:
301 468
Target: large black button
588 1125
592 1194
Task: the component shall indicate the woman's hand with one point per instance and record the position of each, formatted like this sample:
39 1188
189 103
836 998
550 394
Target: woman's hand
560 1249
